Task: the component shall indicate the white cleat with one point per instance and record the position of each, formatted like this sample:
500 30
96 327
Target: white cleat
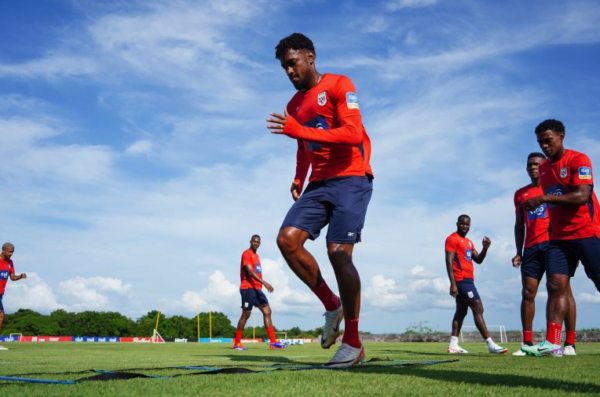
331 330
569 350
3 348
497 349
456 350
519 353
346 356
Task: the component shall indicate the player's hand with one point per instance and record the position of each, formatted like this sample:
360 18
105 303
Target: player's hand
295 189
453 290
516 261
532 203
268 287
277 122
486 242
23 275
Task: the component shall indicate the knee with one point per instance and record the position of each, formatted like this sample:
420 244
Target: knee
246 314
286 241
266 311
528 295
477 308
557 285
338 254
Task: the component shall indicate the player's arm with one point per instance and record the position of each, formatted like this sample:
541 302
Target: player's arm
450 270
478 257
519 237
302 165
253 275
14 277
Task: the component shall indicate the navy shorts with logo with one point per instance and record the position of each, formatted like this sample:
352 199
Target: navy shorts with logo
340 202
252 297
563 256
467 291
533 263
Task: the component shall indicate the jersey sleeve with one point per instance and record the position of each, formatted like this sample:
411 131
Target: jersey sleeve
11 269
581 170
343 97
517 202
451 244
302 165
246 259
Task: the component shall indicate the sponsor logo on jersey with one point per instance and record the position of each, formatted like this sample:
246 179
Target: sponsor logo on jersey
352 100
556 190
258 268
564 172
4 275
468 254
538 213
319 122
585 173
322 98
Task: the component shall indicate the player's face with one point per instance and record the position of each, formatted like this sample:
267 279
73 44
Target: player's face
7 253
255 243
298 65
533 167
551 143
463 226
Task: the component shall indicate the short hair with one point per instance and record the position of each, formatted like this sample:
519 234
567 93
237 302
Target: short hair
295 41
7 245
463 216
254 235
550 124
536 154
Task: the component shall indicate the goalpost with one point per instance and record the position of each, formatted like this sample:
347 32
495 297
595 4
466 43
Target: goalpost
281 332
469 333
11 337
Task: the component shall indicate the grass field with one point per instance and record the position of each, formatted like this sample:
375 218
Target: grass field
479 373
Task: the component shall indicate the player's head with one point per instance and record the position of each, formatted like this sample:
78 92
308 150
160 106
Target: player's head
296 53
463 224
533 164
7 250
255 242
550 135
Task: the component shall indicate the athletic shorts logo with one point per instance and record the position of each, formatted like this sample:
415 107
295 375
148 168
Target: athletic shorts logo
352 100
468 254
4 275
470 294
564 172
322 99
585 173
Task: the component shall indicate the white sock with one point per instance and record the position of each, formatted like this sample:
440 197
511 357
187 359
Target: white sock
454 341
490 342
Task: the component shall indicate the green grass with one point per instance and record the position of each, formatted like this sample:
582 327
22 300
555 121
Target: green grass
479 373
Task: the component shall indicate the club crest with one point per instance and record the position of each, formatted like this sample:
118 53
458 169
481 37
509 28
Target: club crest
322 98
564 172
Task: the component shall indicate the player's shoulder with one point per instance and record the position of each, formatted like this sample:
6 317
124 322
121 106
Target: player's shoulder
522 190
452 237
575 156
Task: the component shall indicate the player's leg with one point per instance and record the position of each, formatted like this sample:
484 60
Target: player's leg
291 244
348 280
533 267
263 305
1 320
248 301
570 324
457 321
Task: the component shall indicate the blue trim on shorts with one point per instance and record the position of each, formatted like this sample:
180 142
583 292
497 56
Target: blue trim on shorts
563 256
253 297
533 263
467 292
340 203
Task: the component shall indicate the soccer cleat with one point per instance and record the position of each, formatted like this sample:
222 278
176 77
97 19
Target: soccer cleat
497 349
331 330
239 346
456 350
346 356
543 349
519 353
569 350
277 345
3 348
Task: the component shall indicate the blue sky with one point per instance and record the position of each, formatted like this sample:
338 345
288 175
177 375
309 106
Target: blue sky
136 162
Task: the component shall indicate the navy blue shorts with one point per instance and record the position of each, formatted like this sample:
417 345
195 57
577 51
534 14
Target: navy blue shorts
340 202
467 291
1 306
563 256
252 297
534 261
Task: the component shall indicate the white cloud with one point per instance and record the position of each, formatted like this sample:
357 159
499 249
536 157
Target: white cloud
400 4
139 147
31 293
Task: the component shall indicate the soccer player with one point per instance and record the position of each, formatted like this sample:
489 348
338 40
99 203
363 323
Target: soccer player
460 254
324 117
568 184
7 269
250 289
534 224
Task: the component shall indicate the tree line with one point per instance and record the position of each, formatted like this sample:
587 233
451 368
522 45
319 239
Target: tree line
92 323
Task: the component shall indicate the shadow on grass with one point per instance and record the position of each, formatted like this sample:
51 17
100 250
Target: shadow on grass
482 379
255 359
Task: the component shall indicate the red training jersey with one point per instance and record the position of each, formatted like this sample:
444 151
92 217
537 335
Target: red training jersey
537 221
6 269
250 258
462 262
559 178
327 123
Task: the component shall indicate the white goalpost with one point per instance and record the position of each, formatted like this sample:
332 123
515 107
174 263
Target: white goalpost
469 333
15 337
156 337
281 332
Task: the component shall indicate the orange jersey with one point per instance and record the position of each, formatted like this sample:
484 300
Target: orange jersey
462 262
327 123
250 258
6 269
537 221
